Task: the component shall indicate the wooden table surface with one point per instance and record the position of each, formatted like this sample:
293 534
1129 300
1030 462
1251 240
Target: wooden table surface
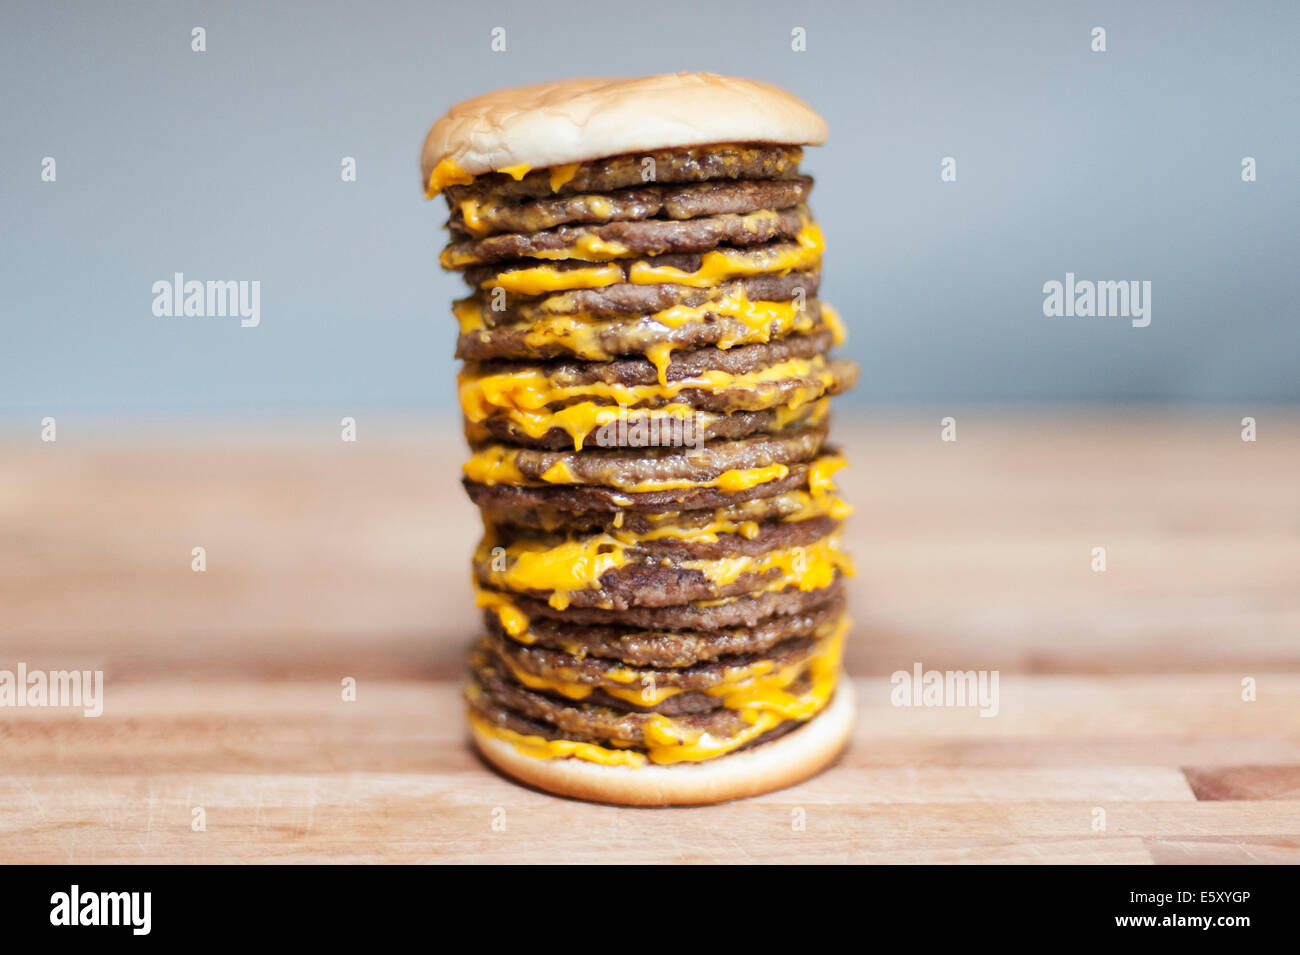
1122 734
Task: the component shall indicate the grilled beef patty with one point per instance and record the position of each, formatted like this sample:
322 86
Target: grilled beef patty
609 240
495 213
693 164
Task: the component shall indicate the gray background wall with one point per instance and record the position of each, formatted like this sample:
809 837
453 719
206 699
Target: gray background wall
225 165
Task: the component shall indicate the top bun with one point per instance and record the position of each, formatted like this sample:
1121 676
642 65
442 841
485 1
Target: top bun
553 124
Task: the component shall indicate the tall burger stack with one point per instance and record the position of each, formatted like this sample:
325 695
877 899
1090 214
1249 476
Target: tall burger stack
646 388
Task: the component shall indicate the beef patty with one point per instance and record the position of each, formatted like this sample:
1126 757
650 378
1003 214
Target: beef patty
521 499
732 466
642 647
604 339
660 573
611 240
494 213
580 719
773 257
692 164
637 687
792 505
648 428
685 365
745 611
627 300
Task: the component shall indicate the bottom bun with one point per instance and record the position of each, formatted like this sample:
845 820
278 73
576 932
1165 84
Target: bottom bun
783 762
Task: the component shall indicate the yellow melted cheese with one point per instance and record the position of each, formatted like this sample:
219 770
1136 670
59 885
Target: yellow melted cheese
720 265
809 568
768 692
531 389
516 172
547 278
581 419
820 473
661 356
542 748
471 215
745 686
734 521
839 334
763 705
581 333
588 248
513 620
570 689
561 568
562 175
581 563
445 174
716 266
496 465
672 425
761 319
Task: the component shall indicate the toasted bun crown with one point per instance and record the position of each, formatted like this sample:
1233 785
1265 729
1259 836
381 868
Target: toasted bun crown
554 124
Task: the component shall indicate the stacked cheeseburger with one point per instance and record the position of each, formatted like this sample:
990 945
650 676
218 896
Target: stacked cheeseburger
645 389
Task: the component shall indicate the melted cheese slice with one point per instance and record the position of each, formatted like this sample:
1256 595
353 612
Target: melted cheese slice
768 692
561 568
547 278
563 175
839 335
589 248
760 318
673 425
531 389
581 563
716 266
569 687
809 568
821 473
735 520
542 748
497 465
616 426
445 174
471 214
513 620
721 265
584 334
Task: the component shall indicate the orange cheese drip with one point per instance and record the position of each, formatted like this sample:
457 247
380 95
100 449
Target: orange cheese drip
562 175
716 266
445 174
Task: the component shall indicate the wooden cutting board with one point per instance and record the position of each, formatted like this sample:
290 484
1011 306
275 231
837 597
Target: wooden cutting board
1122 733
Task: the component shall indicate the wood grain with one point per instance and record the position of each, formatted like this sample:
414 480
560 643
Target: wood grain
1119 691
